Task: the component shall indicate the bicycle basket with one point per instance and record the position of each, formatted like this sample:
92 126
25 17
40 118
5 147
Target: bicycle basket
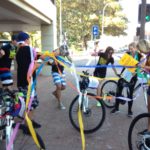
84 83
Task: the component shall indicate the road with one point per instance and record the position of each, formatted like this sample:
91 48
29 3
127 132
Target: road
57 131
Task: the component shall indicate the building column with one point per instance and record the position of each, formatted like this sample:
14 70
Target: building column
48 37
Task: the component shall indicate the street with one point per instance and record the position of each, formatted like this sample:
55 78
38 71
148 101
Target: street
57 131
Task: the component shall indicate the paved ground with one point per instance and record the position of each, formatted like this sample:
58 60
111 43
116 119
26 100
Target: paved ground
57 131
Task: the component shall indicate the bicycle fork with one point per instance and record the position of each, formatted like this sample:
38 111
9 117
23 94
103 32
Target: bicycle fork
85 102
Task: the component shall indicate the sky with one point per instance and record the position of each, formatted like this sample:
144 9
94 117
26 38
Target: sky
130 8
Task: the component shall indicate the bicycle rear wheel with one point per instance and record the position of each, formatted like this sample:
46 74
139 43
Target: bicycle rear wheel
109 89
94 116
136 138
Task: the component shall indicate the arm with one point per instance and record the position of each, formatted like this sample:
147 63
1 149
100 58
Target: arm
2 53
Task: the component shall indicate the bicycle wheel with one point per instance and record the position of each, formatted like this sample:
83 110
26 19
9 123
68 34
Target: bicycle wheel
109 89
93 117
136 139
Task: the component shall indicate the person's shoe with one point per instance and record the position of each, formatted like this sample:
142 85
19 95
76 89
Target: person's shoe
115 111
61 106
130 114
25 130
98 104
35 124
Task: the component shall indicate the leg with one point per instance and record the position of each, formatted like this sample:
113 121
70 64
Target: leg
118 93
130 95
60 83
99 88
58 92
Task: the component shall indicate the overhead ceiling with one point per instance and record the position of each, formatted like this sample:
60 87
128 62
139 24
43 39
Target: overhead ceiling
13 14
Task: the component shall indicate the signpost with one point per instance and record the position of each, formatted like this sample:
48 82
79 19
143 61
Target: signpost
95 31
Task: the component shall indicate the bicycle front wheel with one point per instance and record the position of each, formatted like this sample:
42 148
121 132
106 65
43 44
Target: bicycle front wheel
93 117
137 140
109 89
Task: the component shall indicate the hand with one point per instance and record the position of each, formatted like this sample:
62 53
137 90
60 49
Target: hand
2 53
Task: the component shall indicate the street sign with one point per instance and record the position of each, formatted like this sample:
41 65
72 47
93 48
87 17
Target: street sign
95 30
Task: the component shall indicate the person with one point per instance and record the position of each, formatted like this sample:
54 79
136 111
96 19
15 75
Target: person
144 47
130 84
96 49
7 54
58 74
104 59
24 57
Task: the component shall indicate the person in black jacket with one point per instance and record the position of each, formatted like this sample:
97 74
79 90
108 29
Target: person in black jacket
24 57
123 82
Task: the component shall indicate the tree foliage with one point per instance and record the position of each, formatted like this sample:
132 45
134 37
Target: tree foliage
78 17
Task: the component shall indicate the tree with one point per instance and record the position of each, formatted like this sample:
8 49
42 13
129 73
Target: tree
78 17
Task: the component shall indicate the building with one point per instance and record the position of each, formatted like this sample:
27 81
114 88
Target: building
30 15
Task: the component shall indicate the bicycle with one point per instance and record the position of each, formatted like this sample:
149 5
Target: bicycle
136 137
109 89
11 106
93 116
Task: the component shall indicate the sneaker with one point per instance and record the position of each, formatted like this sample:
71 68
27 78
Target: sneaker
98 104
35 124
115 111
61 106
130 114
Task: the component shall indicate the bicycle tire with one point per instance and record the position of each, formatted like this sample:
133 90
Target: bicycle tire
92 122
109 88
138 124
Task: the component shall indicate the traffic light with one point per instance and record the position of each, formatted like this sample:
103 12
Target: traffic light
147 17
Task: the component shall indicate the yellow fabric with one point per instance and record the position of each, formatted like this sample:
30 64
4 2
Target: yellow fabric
28 95
81 128
128 60
32 131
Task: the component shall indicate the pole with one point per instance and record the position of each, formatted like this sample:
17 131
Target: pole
143 14
103 13
60 25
